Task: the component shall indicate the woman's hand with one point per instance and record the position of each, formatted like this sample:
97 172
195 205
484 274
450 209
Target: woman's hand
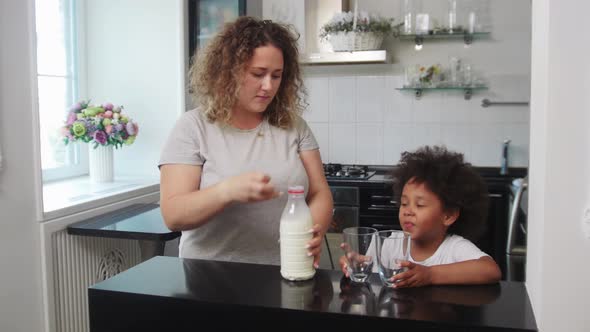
417 275
248 187
314 246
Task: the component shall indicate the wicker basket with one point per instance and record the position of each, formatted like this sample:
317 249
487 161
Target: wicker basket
348 42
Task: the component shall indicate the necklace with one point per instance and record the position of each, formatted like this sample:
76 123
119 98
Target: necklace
260 132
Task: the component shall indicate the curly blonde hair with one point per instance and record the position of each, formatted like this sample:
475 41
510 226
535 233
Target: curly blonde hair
216 74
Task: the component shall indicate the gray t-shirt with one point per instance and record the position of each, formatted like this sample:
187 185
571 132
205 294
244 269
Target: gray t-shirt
242 232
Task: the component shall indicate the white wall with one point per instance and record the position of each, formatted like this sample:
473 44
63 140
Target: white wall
21 301
359 117
135 52
558 273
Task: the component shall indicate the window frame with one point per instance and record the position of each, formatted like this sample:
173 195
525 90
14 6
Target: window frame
76 162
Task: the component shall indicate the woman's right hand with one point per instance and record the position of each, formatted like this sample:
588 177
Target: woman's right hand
248 187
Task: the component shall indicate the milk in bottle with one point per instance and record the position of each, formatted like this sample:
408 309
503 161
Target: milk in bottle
295 227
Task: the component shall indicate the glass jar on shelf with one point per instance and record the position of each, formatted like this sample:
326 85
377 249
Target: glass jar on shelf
455 77
409 9
452 17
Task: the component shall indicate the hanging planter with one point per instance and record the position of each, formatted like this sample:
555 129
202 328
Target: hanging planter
359 41
357 31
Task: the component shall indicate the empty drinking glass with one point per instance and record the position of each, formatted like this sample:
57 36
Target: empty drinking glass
455 71
412 75
452 16
359 259
467 74
393 247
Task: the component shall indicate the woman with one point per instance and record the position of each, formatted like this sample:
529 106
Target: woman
227 163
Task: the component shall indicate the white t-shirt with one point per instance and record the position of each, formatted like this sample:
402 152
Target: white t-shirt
453 249
242 232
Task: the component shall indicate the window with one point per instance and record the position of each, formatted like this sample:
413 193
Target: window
58 85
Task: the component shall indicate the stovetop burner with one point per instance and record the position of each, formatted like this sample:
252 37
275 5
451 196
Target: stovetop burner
339 171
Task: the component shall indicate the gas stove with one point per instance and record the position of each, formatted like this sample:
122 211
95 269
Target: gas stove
347 172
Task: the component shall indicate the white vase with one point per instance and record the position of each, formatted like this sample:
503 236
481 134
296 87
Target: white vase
101 163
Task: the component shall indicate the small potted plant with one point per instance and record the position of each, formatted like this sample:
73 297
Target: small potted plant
430 76
368 34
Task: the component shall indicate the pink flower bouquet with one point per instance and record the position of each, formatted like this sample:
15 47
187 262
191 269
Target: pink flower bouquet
106 124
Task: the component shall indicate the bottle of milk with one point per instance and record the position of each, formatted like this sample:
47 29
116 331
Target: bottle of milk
295 233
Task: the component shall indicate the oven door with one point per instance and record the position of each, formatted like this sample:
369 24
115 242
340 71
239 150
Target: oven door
345 214
346 208
343 217
379 209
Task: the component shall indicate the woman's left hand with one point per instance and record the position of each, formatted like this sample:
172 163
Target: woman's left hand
417 275
314 246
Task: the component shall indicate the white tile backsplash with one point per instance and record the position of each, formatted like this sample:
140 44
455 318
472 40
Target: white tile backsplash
397 139
427 134
369 144
398 104
457 137
486 148
429 107
342 99
363 119
342 143
319 106
321 132
370 98
457 110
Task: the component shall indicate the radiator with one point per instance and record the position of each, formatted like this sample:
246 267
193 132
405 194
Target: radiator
79 262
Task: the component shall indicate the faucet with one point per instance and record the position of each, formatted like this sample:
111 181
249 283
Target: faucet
504 166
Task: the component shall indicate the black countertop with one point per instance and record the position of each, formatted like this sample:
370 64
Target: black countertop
173 294
138 222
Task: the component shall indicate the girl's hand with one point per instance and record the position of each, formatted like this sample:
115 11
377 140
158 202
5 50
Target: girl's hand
416 276
343 265
248 187
314 246
353 258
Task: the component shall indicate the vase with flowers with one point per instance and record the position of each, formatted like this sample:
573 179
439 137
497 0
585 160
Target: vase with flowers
102 127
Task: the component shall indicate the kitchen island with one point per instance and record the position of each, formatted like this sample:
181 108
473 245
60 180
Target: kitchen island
174 294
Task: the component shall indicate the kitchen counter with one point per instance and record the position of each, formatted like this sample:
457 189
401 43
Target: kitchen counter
383 177
174 294
142 222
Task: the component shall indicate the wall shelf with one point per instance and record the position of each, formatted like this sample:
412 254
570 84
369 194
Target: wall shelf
467 37
467 90
377 56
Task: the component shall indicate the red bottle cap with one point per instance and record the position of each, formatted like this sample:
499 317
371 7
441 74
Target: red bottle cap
296 190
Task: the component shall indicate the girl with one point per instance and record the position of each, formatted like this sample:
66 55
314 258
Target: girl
443 204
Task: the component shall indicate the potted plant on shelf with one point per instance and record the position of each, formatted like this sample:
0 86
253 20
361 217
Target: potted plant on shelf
103 127
368 33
